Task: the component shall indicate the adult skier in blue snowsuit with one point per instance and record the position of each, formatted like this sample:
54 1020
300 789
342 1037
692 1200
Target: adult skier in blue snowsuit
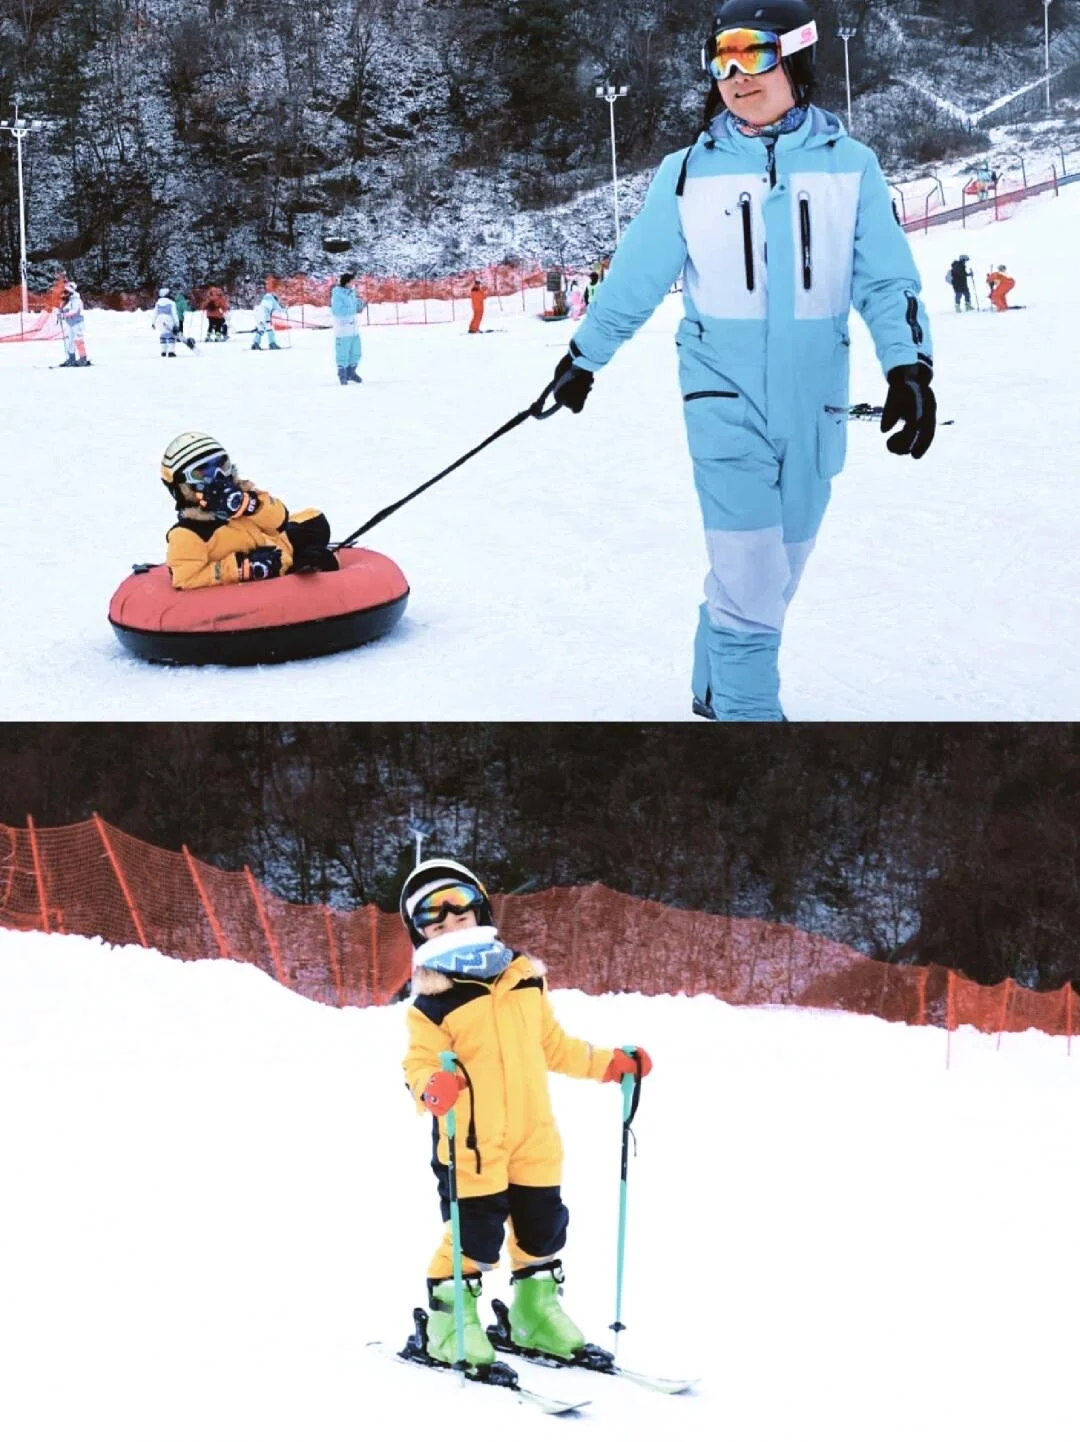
345 309
779 223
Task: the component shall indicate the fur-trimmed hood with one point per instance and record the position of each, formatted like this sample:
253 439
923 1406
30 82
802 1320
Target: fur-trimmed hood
426 982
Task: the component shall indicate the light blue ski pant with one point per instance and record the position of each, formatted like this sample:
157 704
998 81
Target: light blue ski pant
762 501
347 351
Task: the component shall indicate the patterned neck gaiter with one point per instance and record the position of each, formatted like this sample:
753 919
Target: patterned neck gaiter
784 126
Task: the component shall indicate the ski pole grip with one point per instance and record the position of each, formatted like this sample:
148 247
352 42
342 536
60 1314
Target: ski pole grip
630 1083
448 1062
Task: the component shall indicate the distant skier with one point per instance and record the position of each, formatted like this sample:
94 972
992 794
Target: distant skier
166 322
72 324
180 300
958 275
477 294
265 311
575 301
780 223
217 308
346 308
1001 287
228 531
490 1005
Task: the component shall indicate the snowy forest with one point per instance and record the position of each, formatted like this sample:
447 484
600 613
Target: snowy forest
211 140
951 844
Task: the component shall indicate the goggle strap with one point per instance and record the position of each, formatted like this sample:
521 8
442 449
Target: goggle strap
795 40
790 42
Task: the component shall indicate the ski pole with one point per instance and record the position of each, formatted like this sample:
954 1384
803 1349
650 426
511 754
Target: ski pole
631 1095
448 1060
536 410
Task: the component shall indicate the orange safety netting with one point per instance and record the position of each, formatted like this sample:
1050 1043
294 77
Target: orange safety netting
499 282
91 879
41 322
11 298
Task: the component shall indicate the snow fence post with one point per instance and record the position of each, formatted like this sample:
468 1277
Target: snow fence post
215 926
38 875
121 879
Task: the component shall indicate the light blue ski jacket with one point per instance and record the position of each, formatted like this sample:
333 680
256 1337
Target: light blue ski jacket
775 243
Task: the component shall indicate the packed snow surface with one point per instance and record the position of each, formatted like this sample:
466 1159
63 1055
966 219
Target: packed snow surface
215 1193
557 575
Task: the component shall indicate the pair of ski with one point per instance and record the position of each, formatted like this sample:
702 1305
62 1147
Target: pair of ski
497 1374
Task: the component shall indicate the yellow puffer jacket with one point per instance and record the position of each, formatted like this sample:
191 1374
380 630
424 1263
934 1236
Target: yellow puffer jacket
203 551
507 1038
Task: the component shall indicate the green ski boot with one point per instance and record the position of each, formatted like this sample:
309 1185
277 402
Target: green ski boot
441 1335
537 1320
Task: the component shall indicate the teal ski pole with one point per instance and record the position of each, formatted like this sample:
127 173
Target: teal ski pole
631 1094
448 1061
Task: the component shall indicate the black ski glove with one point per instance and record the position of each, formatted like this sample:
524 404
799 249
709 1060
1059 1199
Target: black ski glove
261 564
223 497
572 384
910 400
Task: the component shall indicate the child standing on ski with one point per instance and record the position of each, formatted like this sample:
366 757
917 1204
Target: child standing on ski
779 223
73 325
265 311
958 275
166 322
489 1005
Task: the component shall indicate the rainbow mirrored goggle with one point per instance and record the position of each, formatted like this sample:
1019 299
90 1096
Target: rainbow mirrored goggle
436 906
754 52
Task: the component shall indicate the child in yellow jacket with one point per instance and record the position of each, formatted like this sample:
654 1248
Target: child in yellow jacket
228 531
474 996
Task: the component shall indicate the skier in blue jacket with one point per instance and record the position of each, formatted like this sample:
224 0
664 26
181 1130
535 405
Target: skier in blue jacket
763 347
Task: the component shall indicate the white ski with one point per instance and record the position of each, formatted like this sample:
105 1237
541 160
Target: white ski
542 1401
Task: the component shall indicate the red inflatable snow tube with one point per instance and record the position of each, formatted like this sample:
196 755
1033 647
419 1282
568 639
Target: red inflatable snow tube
260 622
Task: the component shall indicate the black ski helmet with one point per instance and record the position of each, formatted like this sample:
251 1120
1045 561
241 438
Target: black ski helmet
429 876
781 16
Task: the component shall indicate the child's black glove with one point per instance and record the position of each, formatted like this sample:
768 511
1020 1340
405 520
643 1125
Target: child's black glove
261 564
571 384
223 498
910 400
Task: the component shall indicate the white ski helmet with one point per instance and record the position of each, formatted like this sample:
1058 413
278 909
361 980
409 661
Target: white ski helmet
433 875
164 291
186 450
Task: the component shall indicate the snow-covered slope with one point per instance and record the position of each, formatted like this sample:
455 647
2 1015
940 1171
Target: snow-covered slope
557 576
215 1193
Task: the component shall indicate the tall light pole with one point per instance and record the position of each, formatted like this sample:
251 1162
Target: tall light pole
20 128
846 33
420 832
609 93
1046 45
